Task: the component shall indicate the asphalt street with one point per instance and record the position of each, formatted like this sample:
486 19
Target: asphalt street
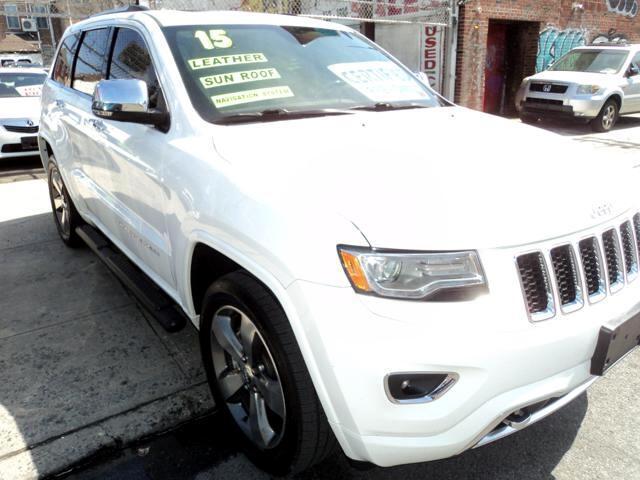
597 436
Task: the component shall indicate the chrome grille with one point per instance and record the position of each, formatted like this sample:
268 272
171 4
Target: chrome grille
591 269
535 285
20 129
551 87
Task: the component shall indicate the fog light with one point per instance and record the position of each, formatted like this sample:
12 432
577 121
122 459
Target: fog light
418 387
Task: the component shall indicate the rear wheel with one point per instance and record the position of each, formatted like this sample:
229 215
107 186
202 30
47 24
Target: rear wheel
259 379
65 215
607 117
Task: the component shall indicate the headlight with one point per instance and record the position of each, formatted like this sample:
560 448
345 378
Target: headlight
408 275
588 89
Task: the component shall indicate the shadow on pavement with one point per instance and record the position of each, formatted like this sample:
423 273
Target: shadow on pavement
82 368
202 451
572 129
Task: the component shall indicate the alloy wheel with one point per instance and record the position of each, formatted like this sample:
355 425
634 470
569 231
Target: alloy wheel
247 377
608 117
60 201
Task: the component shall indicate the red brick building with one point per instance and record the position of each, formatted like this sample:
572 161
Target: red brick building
502 41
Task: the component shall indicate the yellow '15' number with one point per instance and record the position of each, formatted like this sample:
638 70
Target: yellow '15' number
215 39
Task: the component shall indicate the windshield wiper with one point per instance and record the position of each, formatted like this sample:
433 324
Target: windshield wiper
384 106
275 114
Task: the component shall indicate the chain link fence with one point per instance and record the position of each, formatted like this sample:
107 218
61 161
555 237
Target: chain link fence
432 12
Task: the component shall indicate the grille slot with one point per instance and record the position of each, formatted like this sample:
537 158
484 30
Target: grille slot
629 250
636 227
592 266
545 101
20 129
567 278
535 286
615 269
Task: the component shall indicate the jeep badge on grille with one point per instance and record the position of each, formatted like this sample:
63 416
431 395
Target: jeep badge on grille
601 210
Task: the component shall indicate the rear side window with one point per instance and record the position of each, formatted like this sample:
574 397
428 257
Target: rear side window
131 59
64 62
90 61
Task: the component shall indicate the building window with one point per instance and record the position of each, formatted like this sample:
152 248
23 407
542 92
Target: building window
43 22
13 22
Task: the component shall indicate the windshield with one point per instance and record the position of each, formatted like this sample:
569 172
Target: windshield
593 61
243 69
21 84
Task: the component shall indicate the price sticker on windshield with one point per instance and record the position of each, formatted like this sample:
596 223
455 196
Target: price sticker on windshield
379 81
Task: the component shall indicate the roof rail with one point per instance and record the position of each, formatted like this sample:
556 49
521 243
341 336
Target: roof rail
619 43
128 8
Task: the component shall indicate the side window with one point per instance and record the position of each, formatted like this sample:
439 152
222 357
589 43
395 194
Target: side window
131 59
64 62
636 60
90 60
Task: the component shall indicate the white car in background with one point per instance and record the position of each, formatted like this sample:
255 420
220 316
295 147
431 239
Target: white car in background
595 84
20 91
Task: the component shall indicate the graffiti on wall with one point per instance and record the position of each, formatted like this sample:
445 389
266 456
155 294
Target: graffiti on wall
554 43
611 36
628 8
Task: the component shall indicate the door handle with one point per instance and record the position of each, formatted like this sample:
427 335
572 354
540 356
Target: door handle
60 103
98 125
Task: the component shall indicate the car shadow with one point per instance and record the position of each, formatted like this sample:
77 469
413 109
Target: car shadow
572 129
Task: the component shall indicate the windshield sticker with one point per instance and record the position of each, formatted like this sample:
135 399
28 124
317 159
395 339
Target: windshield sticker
30 91
379 81
230 99
214 39
222 60
239 77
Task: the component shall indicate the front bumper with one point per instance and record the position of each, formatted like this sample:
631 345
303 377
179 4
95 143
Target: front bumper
561 105
503 362
11 144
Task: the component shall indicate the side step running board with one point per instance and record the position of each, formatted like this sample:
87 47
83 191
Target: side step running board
158 303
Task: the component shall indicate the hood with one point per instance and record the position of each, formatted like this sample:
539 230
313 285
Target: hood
580 78
427 179
20 107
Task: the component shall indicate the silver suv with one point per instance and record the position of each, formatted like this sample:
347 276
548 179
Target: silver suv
594 83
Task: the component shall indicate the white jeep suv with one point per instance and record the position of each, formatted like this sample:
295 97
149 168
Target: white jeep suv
593 84
369 267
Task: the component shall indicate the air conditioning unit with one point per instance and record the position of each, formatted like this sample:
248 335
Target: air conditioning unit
29 24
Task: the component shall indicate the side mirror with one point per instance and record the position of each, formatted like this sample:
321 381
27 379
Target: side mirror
633 71
126 101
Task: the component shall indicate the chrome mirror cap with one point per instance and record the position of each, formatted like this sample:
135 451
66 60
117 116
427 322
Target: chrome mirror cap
120 96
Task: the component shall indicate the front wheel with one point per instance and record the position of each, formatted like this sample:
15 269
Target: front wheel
259 379
65 215
607 117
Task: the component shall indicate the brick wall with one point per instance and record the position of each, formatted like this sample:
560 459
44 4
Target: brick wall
473 28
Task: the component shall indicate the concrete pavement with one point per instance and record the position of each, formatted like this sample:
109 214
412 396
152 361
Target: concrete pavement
82 368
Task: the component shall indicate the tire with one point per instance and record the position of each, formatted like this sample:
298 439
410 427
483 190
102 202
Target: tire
528 119
235 305
65 215
607 117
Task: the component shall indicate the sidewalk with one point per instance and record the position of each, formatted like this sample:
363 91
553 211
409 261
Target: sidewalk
82 368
